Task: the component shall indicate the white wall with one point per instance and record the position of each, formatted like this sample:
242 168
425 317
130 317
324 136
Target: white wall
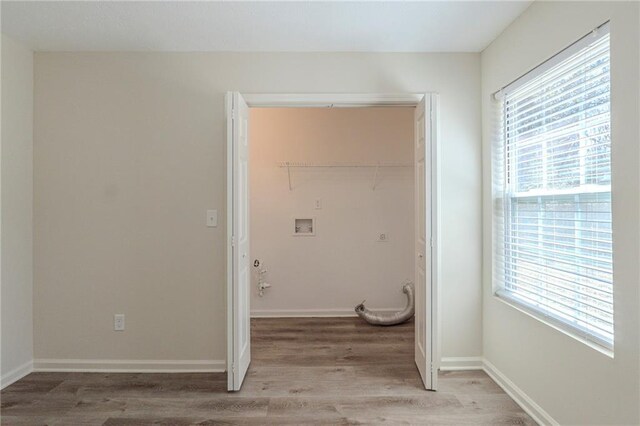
129 154
572 382
342 264
17 210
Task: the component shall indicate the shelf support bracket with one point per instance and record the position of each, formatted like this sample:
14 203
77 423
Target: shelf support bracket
289 175
375 177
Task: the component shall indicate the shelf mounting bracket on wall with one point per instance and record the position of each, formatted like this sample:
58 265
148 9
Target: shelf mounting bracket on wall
375 177
289 174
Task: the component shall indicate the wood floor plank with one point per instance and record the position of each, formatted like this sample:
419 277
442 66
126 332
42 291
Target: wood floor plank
34 385
298 421
449 420
316 408
25 421
152 420
304 371
288 373
489 403
44 406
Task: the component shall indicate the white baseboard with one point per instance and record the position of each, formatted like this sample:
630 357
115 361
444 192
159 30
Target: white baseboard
305 313
519 396
461 363
16 374
129 366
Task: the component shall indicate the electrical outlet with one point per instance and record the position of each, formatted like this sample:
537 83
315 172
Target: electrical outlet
318 204
118 322
383 237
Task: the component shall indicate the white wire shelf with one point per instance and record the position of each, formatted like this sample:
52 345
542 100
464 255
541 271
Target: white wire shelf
377 165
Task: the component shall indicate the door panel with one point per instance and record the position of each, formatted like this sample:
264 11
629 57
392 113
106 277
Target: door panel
238 309
424 318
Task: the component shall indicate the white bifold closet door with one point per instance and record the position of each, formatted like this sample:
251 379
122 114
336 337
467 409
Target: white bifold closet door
238 291
425 262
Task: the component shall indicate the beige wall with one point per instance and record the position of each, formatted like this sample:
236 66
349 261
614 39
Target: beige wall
574 383
343 263
129 153
17 209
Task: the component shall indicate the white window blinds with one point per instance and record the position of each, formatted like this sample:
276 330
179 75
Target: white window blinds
552 182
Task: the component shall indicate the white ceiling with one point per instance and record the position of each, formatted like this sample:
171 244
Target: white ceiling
310 26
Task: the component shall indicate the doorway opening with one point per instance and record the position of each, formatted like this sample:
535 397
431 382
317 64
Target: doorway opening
331 209
328 206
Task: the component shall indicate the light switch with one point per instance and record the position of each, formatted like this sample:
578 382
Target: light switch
118 322
212 218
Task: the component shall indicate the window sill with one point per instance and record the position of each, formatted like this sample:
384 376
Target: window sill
551 323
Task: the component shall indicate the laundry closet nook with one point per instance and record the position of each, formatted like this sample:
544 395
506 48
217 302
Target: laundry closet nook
331 209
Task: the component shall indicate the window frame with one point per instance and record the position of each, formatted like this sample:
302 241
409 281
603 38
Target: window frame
500 218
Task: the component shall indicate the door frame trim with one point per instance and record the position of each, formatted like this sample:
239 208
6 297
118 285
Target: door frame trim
344 100
336 100
228 130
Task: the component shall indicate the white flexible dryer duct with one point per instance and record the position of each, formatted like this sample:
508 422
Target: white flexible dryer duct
389 318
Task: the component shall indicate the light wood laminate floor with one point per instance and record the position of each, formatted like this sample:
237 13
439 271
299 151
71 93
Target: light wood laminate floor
329 371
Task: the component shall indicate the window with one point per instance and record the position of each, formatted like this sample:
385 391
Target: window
552 189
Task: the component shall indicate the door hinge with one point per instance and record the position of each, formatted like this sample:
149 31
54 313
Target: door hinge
233 241
431 242
233 368
234 114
